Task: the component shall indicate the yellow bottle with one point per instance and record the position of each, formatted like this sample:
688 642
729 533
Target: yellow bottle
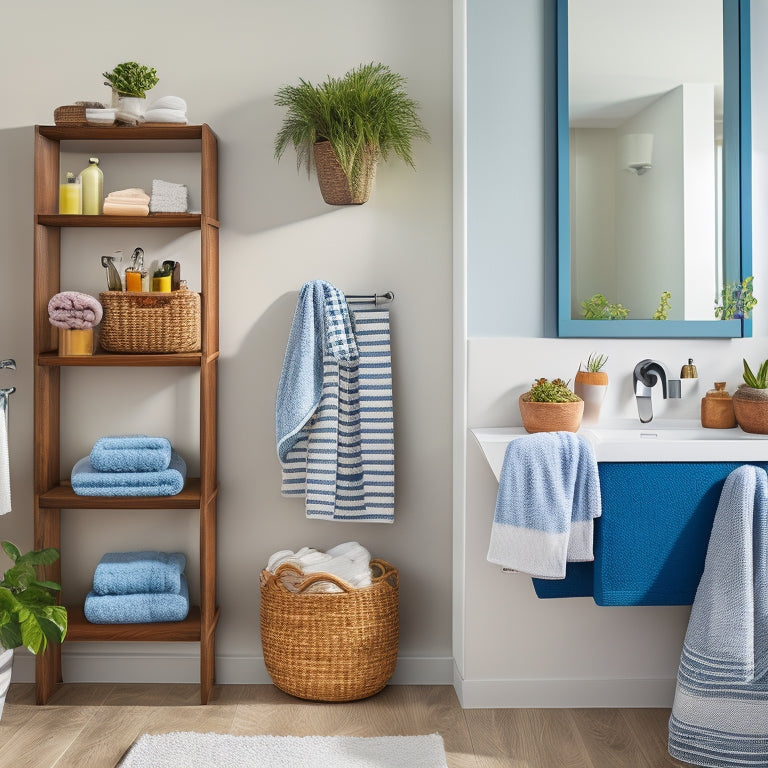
71 195
92 181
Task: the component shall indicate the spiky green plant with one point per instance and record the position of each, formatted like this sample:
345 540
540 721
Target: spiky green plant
555 391
29 615
132 79
595 362
366 111
759 380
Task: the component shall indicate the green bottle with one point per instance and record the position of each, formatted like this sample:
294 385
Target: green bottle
92 181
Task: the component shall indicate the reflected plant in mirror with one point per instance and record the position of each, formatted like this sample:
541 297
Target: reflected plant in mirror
736 301
597 307
662 313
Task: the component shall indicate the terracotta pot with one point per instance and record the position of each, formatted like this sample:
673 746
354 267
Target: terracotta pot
550 417
591 387
334 185
751 415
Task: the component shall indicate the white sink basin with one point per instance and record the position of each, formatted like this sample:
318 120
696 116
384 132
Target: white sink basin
628 440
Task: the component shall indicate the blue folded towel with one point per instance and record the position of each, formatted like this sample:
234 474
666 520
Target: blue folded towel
168 482
131 453
138 608
549 495
720 712
321 325
123 573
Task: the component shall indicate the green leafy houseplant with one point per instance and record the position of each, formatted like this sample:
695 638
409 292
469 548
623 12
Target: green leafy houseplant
29 615
132 79
737 301
363 116
597 307
555 391
664 304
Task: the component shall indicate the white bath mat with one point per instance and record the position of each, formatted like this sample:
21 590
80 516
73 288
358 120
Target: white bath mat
214 750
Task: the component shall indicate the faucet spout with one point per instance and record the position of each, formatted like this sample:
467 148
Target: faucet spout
646 375
644 408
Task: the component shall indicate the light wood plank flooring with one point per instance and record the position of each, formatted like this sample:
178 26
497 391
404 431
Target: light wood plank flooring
91 726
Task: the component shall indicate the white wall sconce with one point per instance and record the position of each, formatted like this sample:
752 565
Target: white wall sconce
636 152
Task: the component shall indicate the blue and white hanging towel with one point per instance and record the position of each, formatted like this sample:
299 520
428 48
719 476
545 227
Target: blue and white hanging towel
720 713
341 456
549 496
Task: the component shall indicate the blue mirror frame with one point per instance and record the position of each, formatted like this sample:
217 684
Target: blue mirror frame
737 215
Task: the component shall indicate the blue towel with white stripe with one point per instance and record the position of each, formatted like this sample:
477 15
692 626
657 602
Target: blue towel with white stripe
548 498
344 462
720 712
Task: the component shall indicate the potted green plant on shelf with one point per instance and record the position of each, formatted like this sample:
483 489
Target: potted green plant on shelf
29 614
591 385
344 125
750 401
130 82
551 406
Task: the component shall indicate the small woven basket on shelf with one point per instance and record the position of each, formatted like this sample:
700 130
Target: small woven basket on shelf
330 646
159 323
71 114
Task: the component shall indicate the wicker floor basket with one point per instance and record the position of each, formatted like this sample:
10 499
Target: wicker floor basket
150 322
325 646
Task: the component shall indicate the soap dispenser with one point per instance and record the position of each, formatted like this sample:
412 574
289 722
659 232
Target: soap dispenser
689 371
717 408
92 180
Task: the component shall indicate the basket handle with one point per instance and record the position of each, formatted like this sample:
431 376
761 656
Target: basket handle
388 572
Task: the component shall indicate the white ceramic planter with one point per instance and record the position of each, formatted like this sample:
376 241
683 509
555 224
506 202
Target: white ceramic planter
593 396
6 665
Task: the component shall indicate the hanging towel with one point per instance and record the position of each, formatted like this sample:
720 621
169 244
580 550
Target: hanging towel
5 469
143 608
87 482
548 498
122 573
131 453
720 712
344 463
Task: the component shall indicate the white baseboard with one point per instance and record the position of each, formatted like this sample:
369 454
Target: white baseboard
544 694
185 668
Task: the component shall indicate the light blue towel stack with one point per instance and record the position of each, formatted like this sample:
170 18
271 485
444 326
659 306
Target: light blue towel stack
131 465
138 588
720 712
549 496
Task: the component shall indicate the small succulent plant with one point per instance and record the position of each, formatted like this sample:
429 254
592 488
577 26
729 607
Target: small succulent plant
555 391
758 380
595 362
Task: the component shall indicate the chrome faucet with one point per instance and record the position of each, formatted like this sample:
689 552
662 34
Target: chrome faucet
644 377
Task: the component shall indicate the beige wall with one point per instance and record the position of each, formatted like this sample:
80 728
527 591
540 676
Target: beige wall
227 60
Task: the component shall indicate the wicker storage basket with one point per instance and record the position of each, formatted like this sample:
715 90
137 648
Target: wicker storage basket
150 322
330 646
71 114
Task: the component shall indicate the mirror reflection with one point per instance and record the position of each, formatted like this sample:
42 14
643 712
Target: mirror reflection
645 123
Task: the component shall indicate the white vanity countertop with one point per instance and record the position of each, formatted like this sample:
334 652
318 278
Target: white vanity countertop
628 440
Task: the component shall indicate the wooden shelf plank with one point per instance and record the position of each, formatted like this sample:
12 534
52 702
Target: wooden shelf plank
121 132
81 630
102 359
63 497
181 220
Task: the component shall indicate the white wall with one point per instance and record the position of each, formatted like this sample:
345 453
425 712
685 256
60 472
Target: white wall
520 651
227 61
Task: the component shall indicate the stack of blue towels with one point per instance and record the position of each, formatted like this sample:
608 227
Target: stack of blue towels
138 588
130 465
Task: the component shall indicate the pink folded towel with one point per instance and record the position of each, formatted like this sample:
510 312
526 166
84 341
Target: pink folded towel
73 310
131 195
125 209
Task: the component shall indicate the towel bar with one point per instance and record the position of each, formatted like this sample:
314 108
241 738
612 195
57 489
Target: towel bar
373 298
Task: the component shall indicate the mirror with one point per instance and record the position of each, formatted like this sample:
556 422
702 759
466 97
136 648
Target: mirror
654 161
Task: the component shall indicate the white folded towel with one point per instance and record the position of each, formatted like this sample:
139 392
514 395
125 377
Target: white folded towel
165 116
168 197
349 562
169 102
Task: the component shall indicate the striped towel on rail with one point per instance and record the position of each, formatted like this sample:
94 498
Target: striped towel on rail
344 463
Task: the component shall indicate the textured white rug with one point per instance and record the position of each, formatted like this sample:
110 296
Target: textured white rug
214 750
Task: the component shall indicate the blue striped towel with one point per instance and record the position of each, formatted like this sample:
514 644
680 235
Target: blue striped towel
123 573
321 326
720 713
345 464
548 498
131 453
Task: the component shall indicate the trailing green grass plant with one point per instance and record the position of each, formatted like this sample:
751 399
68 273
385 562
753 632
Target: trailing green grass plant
366 112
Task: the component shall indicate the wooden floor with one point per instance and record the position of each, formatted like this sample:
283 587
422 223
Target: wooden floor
91 726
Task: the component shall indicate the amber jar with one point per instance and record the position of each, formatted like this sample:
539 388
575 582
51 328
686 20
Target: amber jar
717 408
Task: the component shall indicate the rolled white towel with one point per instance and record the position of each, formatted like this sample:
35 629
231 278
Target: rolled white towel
168 102
165 116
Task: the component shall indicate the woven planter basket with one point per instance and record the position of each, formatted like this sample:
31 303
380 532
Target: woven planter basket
334 186
330 646
157 323
751 411
551 417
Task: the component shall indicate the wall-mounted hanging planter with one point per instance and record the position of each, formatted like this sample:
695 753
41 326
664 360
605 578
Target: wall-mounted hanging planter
344 125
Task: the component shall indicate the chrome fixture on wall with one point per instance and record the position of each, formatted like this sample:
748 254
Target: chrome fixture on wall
646 374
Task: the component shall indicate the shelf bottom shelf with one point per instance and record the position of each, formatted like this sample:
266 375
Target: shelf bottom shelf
189 630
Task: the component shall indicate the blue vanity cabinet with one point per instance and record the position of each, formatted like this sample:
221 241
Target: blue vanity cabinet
652 538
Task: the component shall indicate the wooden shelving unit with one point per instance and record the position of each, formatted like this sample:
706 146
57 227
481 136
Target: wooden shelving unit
51 493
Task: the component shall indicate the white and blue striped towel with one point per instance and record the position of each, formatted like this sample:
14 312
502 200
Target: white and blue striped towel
343 461
720 713
548 498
